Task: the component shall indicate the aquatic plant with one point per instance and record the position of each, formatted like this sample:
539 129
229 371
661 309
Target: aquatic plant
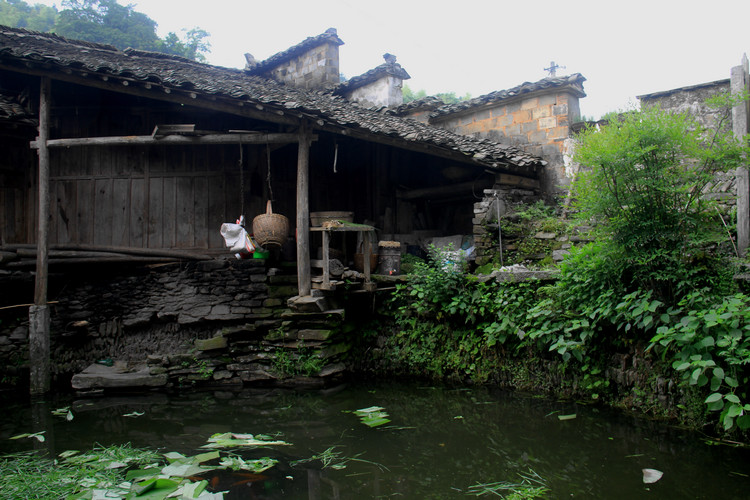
330 458
531 486
123 471
72 475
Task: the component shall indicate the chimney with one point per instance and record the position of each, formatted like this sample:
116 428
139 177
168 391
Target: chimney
381 86
311 64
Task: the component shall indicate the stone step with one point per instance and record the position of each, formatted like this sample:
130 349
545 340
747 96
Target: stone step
308 304
331 314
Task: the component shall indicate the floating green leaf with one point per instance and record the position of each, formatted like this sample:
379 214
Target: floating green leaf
373 416
567 417
39 436
229 440
63 412
194 490
183 470
238 463
154 488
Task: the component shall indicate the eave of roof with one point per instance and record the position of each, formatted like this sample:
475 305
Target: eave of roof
166 78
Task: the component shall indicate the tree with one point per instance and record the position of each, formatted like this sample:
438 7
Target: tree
410 95
104 21
19 14
194 47
446 97
452 98
642 180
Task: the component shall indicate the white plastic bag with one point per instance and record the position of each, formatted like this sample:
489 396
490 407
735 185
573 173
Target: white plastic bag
236 238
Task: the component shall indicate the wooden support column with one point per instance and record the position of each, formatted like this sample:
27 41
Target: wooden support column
741 82
39 318
304 283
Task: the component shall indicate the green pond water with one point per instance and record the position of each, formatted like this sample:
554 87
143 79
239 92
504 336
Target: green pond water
439 443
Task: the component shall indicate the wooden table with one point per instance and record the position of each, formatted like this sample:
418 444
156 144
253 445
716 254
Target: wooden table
367 234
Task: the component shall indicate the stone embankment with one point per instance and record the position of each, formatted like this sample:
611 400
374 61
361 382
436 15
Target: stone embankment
214 322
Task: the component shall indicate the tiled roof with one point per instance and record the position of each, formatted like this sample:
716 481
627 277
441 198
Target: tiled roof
53 54
423 104
574 82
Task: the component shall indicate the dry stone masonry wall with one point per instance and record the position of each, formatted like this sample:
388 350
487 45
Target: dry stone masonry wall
218 322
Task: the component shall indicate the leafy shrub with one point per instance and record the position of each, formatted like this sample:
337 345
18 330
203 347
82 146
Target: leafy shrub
711 341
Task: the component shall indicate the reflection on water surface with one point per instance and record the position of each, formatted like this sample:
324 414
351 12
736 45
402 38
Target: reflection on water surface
440 442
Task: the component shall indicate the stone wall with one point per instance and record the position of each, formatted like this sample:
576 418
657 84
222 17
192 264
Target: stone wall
500 199
538 123
691 100
219 321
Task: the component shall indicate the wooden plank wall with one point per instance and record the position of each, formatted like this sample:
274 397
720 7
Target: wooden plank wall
145 197
17 169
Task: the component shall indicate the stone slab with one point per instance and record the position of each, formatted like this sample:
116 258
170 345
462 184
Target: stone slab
314 334
210 344
105 377
333 369
307 304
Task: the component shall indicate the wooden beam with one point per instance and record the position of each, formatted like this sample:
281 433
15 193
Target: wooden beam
304 282
442 191
23 249
430 149
517 180
172 140
39 319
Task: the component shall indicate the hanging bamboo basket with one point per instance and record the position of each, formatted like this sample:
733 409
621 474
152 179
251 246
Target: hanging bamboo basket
270 228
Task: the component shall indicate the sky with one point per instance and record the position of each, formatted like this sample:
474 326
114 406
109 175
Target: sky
624 49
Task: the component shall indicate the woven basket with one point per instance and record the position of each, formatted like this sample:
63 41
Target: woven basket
270 228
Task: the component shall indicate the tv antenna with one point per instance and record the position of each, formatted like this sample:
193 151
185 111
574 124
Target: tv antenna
553 67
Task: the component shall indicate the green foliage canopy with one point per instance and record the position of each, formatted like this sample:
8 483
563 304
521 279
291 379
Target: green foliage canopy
104 21
447 97
643 176
642 183
19 14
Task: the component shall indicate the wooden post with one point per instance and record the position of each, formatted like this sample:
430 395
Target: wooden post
304 283
367 254
39 347
740 127
326 260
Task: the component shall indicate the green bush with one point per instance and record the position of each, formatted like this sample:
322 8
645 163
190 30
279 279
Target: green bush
642 179
654 279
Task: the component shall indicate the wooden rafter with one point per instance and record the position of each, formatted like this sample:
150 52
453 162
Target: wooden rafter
173 140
